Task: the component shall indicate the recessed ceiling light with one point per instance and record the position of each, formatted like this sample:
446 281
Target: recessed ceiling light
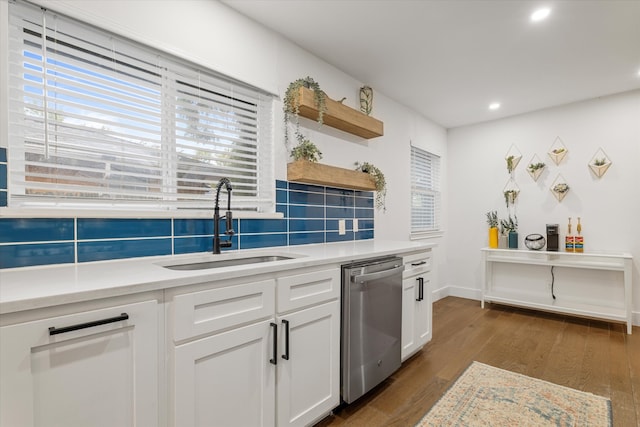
494 106
540 14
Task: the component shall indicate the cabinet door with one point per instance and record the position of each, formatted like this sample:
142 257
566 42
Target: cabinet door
226 379
409 304
101 375
308 385
423 316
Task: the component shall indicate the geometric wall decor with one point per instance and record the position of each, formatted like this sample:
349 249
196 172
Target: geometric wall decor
559 187
535 167
512 158
599 163
557 151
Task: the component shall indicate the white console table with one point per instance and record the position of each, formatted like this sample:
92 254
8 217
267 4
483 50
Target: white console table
589 260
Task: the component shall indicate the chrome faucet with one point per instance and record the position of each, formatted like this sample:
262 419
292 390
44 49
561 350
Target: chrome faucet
217 243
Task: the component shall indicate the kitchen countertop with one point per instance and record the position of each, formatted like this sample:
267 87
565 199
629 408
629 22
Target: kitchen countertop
44 286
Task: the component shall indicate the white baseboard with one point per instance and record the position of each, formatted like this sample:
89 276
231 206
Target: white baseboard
476 294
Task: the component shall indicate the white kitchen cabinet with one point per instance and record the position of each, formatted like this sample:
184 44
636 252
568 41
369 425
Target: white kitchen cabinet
88 368
416 303
238 361
308 371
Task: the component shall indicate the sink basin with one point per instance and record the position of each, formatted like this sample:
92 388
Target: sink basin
202 265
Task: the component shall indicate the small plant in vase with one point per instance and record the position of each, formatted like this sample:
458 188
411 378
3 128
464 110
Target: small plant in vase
291 104
380 182
510 227
535 169
492 222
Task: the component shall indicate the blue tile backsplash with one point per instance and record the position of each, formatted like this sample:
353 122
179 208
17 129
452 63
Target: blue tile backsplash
3 177
311 215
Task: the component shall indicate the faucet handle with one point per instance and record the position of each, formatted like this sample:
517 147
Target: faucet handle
229 225
225 243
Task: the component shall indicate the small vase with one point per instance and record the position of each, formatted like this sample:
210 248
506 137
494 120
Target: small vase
503 241
366 99
513 240
493 237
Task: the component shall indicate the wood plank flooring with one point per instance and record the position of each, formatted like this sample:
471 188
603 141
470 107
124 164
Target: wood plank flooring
588 355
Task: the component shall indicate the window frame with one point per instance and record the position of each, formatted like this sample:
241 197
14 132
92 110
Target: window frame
430 174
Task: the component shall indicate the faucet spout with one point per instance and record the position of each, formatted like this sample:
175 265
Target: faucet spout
217 242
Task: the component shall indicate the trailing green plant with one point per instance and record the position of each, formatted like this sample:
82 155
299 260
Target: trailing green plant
510 163
510 225
306 150
510 197
291 104
535 166
492 219
380 182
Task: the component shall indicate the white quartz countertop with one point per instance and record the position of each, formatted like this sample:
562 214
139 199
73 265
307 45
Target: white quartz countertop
44 286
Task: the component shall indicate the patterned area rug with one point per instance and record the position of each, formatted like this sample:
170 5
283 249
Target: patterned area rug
488 396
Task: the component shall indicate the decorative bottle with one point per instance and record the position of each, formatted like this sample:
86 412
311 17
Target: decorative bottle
579 239
569 240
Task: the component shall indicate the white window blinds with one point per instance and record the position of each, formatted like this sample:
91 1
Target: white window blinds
425 192
96 120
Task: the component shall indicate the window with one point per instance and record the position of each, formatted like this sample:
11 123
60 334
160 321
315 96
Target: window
99 121
425 192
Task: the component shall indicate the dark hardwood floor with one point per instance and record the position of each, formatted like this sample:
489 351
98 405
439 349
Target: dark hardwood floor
588 355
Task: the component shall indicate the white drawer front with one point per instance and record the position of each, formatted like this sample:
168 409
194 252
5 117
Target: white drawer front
307 289
199 313
417 264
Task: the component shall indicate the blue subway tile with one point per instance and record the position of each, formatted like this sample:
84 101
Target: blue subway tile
185 245
296 211
306 225
3 198
362 202
281 196
116 249
109 228
300 198
35 229
364 234
368 194
193 227
306 187
3 177
250 241
365 224
333 236
341 201
306 238
283 209
339 212
281 184
263 225
339 191
38 254
333 225
364 213
3 155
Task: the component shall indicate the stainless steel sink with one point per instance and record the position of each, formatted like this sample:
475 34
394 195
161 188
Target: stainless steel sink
202 265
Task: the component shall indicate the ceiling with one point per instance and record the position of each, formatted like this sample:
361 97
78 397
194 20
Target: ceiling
450 59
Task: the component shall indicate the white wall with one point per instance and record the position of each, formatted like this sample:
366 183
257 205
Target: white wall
213 35
609 207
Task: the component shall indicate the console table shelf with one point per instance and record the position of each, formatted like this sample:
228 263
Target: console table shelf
608 310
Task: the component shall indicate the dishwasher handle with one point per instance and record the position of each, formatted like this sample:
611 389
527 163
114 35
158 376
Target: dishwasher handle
377 275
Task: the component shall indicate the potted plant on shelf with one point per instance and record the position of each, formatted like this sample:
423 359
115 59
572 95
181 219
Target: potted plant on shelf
378 178
306 150
291 104
492 221
510 227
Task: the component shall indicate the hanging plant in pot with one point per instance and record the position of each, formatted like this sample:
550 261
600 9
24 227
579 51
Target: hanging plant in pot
378 178
291 105
306 150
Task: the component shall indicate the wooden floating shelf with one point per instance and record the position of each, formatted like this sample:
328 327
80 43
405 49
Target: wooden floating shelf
331 176
340 116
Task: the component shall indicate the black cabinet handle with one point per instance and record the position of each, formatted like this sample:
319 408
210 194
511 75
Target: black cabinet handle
55 331
418 263
420 289
285 356
274 360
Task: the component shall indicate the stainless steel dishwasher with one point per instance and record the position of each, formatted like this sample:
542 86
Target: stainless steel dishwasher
371 324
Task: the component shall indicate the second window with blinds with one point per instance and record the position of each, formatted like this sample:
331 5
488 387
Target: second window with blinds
425 193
